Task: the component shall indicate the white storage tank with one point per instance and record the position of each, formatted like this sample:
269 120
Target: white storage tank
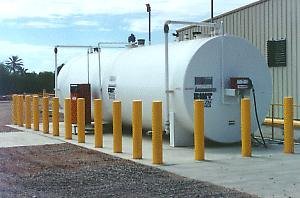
198 69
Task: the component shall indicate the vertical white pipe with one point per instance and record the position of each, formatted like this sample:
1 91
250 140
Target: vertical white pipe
167 88
150 27
212 11
99 70
88 67
222 28
222 70
55 73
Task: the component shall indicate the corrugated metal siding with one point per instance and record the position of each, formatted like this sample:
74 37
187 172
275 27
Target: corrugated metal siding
273 19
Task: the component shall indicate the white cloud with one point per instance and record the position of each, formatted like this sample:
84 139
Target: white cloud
161 10
86 23
52 24
42 24
104 29
11 9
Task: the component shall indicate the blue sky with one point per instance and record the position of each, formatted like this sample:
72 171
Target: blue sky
30 28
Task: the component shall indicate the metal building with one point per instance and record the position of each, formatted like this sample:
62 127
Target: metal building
273 26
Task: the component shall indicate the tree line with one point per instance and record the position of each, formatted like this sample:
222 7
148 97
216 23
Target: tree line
15 79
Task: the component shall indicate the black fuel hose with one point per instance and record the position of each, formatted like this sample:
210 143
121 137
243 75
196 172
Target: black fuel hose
257 120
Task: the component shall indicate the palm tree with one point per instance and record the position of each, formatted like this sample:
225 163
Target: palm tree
15 65
22 70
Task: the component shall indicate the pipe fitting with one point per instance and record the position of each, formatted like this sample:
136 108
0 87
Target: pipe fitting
166 28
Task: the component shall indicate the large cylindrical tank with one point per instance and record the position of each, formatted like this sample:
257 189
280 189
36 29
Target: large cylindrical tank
197 69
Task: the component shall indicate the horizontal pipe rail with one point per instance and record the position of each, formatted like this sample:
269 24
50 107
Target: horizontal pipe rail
190 23
75 46
111 43
282 105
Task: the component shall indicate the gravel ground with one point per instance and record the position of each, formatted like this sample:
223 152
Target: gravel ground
66 170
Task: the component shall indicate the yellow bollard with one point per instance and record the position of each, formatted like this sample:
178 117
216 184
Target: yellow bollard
81 119
98 123
20 105
55 116
137 129
288 125
67 119
18 113
14 109
45 114
45 93
117 127
35 109
246 127
28 112
157 154
199 130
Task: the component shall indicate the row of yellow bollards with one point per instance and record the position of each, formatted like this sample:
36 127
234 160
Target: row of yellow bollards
117 126
32 112
157 127
246 126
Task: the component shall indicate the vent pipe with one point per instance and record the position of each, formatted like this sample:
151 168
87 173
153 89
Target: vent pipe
212 11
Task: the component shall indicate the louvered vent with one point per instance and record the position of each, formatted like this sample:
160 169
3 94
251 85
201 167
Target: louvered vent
276 53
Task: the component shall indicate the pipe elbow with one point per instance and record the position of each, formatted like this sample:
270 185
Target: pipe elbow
167 22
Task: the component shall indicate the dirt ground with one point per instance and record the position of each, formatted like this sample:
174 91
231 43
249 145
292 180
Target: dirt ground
66 170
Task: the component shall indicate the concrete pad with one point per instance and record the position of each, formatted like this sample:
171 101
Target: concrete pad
11 139
269 173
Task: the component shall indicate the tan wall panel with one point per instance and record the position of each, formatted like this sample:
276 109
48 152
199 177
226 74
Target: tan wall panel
292 39
297 41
